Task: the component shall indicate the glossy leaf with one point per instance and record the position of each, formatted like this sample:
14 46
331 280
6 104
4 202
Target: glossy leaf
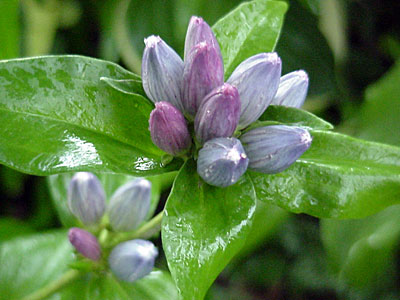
338 177
27 264
294 116
379 115
58 185
127 86
302 46
203 228
251 28
57 116
9 29
158 285
361 251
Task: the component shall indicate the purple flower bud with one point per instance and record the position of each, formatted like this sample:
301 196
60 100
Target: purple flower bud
129 205
199 31
203 71
292 89
218 114
272 149
132 260
222 161
257 80
162 70
169 130
86 198
85 243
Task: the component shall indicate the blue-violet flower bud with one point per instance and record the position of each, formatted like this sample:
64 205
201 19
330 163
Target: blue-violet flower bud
257 80
203 71
222 161
132 260
218 114
129 205
86 198
292 89
168 129
162 70
272 149
199 31
85 243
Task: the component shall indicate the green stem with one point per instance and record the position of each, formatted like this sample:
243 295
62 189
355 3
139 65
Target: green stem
54 286
146 231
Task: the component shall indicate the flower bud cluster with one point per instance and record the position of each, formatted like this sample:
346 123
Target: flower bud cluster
193 90
126 210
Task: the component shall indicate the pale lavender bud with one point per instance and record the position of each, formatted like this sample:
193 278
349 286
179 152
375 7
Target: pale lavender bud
129 205
222 161
257 80
292 89
162 70
199 31
218 114
85 243
272 149
86 198
203 71
169 130
132 260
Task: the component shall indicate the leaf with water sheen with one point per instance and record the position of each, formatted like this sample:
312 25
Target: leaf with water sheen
203 228
251 28
58 116
338 177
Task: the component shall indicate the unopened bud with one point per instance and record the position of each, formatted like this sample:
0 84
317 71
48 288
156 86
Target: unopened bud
199 31
168 129
132 260
272 149
85 243
203 71
86 198
218 114
292 89
222 161
257 80
162 70
129 205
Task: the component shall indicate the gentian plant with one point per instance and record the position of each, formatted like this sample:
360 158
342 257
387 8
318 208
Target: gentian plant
221 132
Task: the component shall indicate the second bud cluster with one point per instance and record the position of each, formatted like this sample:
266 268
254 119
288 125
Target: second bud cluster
193 90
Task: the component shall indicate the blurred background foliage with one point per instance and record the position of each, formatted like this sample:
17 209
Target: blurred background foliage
351 50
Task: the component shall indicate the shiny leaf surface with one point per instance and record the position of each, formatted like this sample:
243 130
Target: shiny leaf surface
360 251
203 228
57 116
338 177
294 116
251 28
27 264
127 86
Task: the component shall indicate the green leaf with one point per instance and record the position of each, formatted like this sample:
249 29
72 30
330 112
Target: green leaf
10 228
58 185
294 116
203 228
9 29
127 86
379 115
27 264
361 251
57 116
338 177
158 285
251 28
302 46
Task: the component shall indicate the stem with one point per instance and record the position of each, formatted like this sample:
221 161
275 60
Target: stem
146 231
54 286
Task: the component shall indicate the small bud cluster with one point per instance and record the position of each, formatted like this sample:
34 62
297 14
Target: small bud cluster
193 90
127 209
